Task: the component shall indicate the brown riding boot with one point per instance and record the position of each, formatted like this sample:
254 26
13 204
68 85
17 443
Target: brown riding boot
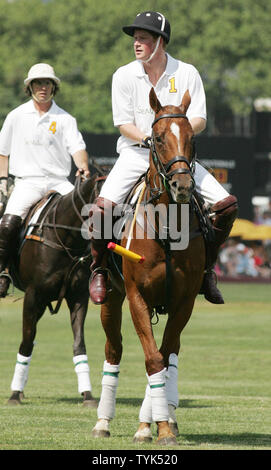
98 278
225 214
100 236
9 227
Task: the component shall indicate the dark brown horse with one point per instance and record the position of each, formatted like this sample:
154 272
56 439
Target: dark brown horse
168 281
53 264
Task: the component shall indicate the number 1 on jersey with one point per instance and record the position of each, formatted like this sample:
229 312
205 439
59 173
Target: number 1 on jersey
172 85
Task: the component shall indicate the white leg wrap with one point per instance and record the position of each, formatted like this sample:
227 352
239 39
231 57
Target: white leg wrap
172 381
106 408
21 373
145 414
82 370
157 383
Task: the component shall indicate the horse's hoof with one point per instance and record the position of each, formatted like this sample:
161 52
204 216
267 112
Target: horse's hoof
15 398
101 428
167 441
14 402
100 433
143 435
89 401
174 429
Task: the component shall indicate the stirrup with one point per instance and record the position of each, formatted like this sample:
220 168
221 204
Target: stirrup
6 274
105 271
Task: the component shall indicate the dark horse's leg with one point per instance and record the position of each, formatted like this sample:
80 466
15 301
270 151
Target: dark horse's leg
33 310
111 316
78 311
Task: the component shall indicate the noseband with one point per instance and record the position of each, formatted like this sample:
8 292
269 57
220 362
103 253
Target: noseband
179 158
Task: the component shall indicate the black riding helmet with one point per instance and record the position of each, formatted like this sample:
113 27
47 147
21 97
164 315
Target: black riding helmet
150 21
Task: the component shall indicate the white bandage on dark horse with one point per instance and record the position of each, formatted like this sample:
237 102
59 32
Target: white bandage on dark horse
81 368
172 381
21 373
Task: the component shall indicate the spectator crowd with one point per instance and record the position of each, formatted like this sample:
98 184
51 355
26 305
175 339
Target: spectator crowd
239 258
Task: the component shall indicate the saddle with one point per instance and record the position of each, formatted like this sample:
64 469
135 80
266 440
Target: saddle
37 217
32 216
129 212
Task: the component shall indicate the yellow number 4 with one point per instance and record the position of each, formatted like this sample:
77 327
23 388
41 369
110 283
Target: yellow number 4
53 127
172 85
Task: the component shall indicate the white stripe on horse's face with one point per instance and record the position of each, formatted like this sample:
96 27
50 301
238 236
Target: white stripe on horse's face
176 131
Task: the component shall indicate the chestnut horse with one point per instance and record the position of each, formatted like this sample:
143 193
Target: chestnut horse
53 264
169 279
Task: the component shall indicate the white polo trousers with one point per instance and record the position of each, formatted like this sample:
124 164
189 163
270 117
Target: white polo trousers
134 161
29 190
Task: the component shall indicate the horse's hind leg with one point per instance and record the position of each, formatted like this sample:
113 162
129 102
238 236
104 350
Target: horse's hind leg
78 312
33 309
111 316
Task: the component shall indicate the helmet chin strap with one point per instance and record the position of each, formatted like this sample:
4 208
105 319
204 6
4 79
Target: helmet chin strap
35 97
154 52
38 101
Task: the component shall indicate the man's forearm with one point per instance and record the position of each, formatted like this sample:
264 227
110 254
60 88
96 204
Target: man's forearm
3 166
131 132
81 159
198 124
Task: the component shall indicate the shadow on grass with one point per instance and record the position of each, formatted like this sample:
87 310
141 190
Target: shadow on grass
232 440
136 402
182 403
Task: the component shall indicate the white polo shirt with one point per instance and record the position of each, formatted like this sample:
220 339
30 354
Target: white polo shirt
40 145
130 94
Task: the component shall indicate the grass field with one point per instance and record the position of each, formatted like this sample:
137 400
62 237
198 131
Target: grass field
224 379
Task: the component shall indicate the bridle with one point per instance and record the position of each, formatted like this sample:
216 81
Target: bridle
162 169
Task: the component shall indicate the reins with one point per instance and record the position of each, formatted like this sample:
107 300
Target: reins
164 174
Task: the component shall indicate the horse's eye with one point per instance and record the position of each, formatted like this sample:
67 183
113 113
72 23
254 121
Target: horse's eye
158 139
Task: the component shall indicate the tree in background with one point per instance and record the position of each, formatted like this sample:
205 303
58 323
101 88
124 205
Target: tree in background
227 40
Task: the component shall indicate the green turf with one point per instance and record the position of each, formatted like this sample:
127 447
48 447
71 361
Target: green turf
224 379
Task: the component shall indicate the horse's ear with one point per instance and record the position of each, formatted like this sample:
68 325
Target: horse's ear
154 102
185 101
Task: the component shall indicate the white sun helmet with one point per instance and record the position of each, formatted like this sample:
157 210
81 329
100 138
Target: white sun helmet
41 71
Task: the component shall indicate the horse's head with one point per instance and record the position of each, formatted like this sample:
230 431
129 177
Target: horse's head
172 152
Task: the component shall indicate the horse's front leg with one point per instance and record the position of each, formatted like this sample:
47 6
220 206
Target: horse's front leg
170 349
33 309
78 311
111 317
156 372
